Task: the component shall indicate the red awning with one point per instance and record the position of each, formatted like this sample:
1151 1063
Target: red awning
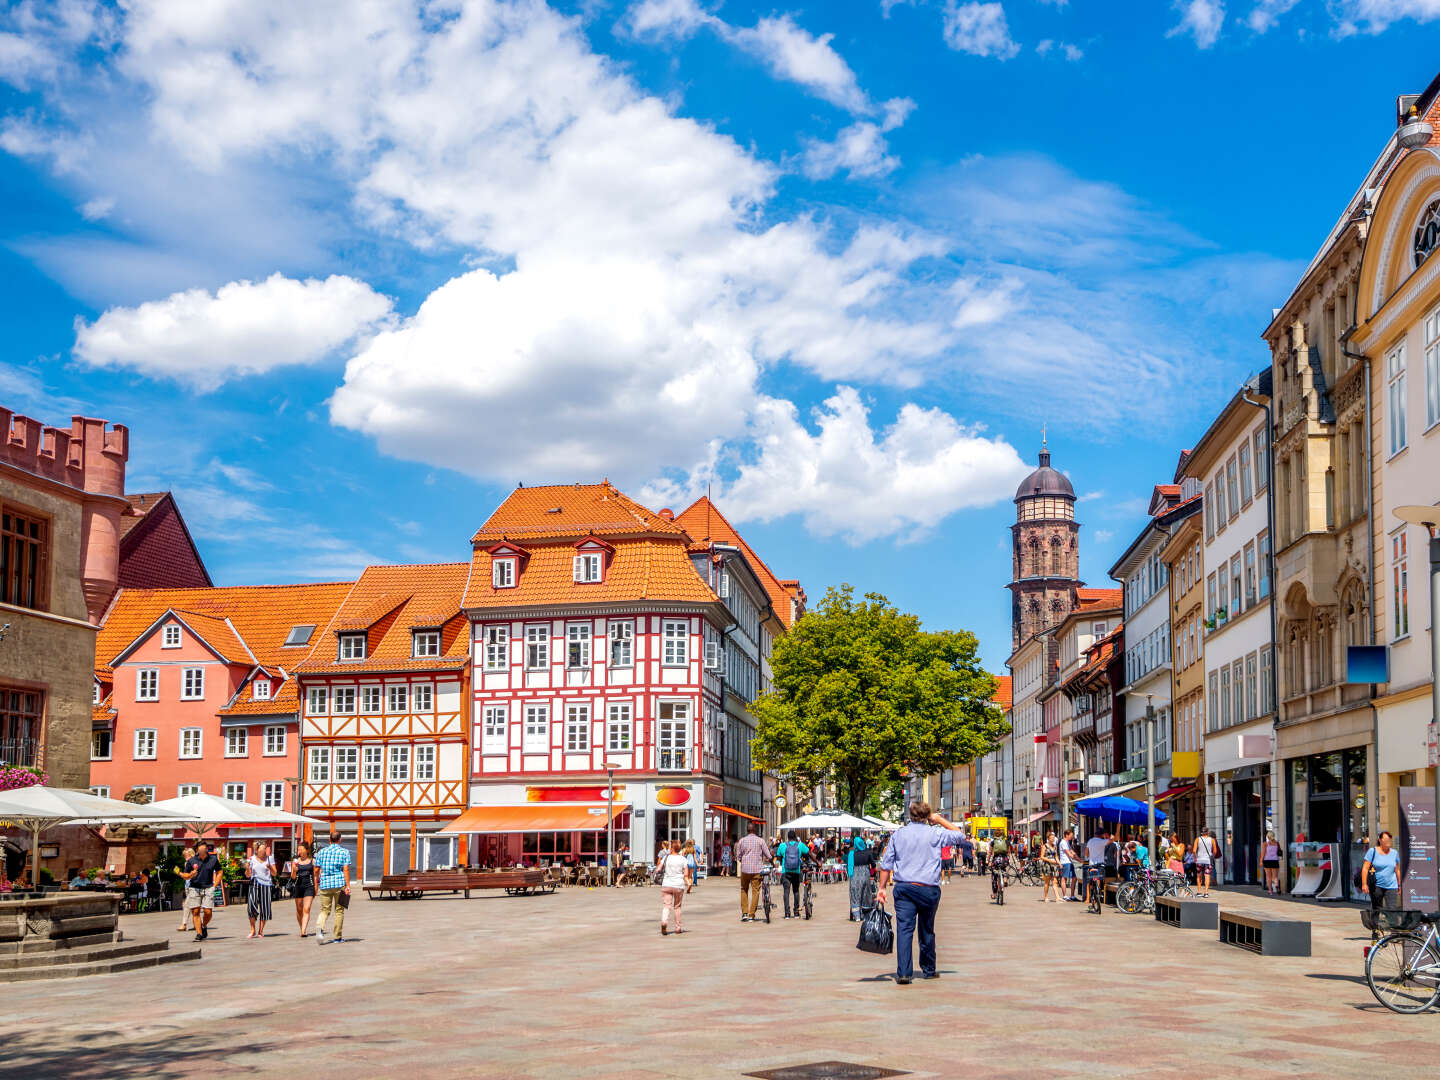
1173 793
532 817
737 813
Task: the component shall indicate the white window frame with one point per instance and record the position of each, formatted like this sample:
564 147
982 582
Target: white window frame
577 646
272 794
345 695
424 643
237 742
317 700
424 763
146 744
588 568
317 765
537 647
494 725
260 690
235 790
345 764
170 636
621 633
187 789
537 727
422 698
109 745
1400 582
1262 464
276 740
672 737
497 647
372 764
399 770
502 573
675 635
577 727
1430 330
397 698
350 648
620 727
147 790
192 684
372 700
147 684
1395 398
102 790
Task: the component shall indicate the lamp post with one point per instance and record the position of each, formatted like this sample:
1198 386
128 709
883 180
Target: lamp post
1150 776
1065 790
610 768
1429 517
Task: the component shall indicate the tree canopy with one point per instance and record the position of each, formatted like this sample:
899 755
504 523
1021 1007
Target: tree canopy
861 695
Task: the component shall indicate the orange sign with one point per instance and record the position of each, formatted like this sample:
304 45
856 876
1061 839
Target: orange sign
571 794
672 796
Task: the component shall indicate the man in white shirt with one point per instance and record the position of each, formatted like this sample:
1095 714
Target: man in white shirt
1067 865
1095 852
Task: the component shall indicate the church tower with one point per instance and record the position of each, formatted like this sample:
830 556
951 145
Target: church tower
1045 570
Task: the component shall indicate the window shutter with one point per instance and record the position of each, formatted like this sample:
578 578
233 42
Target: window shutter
725 584
579 567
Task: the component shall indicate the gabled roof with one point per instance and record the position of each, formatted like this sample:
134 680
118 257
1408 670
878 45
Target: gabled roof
1002 695
570 511
389 602
147 513
704 522
258 618
1097 598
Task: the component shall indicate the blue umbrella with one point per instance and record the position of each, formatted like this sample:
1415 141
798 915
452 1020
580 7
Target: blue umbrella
1118 809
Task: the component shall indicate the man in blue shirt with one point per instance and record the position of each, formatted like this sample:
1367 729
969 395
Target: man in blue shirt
333 862
792 856
912 859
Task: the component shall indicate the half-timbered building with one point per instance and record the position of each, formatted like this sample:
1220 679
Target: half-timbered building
385 718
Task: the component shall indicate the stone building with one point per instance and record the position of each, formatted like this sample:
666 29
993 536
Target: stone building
1045 552
61 499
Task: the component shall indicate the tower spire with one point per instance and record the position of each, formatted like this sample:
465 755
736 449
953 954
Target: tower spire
1044 446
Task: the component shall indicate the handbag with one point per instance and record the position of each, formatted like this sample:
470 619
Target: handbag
876 933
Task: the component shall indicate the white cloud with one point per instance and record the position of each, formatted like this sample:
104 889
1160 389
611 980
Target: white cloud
1266 13
244 328
97 208
1103 536
845 478
860 149
978 28
981 303
1374 16
793 53
1070 52
657 19
1201 19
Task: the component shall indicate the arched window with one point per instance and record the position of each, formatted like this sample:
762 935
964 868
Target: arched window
1057 557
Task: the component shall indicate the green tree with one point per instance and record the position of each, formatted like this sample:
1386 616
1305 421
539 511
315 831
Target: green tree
861 696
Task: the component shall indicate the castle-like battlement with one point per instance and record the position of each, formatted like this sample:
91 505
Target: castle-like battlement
87 456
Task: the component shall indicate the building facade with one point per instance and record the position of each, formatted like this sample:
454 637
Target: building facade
1183 554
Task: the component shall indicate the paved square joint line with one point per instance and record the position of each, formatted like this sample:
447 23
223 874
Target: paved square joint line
828 1070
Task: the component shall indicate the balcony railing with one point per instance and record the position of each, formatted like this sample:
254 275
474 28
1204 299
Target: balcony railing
19 751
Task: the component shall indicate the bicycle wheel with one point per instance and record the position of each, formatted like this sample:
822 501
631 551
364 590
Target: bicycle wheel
765 900
1403 971
1128 899
1182 890
1000 893
809 905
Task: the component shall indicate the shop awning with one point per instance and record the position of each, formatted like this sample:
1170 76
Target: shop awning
1173 793
1036 817
737 813
1120 789
532 817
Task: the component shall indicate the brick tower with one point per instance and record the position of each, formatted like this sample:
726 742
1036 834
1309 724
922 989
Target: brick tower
1046 552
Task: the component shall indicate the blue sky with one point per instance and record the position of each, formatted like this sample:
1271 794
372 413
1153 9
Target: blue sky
350 271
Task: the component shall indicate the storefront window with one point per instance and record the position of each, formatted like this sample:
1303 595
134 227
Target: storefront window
1326 778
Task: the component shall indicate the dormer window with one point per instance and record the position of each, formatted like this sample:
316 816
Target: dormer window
425 643
260 690
588 568
352 646
502 573
170 636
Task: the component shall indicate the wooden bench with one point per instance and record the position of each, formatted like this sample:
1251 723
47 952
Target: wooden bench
1187 914
416 883
1269 935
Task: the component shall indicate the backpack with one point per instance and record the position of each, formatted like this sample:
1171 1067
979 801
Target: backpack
790 861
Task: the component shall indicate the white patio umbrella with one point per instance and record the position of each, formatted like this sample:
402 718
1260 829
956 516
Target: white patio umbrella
881 823
828 819
203 812
39 807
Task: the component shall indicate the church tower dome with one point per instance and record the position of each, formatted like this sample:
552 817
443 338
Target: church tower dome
1045 570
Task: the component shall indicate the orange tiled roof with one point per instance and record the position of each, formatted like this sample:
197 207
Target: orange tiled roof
648 568
1002 696
102 713
571 510
1096 599
260 616
217 632
703 520
391 601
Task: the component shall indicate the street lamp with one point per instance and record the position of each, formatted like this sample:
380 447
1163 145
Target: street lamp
1414 132
610 768
1150 776
1429 517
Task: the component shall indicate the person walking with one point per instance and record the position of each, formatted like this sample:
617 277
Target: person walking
201 873
726 859
862 884
754 856
1270 864
1379 878
1050 869
1175 858
967 856
675 879
186 855
260 869
1065 854
792 855
302 885
1207 854
333 861
912 862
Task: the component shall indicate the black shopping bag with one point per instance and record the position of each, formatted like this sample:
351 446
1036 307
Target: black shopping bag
876 934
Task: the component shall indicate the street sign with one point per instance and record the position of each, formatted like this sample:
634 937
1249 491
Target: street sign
1417 850
1432 745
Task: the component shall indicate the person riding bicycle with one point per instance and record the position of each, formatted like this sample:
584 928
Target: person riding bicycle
1103 860
792 856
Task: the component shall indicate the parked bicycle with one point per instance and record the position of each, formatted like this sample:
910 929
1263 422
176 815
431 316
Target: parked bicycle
1403 967
1138 895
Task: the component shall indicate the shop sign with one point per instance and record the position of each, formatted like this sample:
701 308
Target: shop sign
672 796
638 812
1417 849
1131 776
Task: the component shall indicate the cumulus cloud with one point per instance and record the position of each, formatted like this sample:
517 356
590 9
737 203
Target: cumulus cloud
848 479
860 149
979 29
244 328
1201 19
1266 14
1060 48
1374 16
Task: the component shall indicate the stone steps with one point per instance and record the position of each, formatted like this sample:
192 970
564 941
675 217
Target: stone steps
93 960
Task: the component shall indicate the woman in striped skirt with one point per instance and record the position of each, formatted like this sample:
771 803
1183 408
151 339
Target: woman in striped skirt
260 869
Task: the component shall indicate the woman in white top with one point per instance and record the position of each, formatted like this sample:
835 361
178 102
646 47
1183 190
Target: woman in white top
675 877
260 869
1207 854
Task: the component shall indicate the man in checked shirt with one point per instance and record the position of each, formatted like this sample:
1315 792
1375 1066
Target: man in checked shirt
753 855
